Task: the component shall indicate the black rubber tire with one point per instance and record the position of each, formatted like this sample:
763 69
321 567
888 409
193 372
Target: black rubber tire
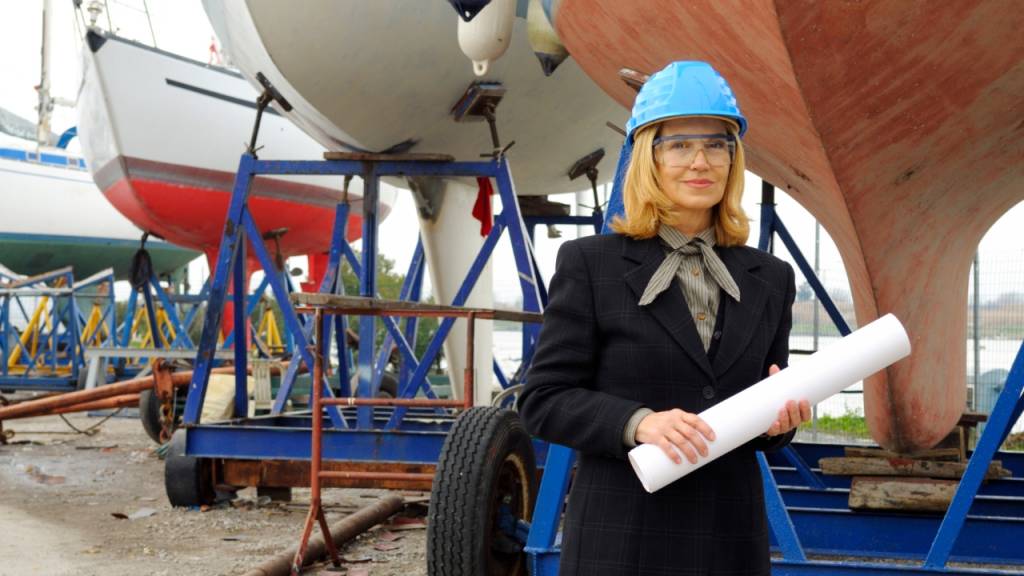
388 385
188 480
487 460
149 414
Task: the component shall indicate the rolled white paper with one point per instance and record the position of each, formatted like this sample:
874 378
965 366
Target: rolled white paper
748 414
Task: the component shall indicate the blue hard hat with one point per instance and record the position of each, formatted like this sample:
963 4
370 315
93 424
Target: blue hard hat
684 88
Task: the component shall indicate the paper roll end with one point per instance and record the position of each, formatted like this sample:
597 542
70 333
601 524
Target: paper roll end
638 470
898 328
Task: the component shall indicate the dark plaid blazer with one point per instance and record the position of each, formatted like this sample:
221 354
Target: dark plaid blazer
600 357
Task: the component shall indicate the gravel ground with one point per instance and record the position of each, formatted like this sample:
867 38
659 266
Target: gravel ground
83 505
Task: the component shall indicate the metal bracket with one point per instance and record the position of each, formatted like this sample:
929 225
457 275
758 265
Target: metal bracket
632 78
588 165
480 101
269 94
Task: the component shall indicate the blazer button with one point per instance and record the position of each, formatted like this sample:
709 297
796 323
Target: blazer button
717 335
708 392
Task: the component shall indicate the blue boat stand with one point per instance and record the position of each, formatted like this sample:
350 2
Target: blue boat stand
55 362
385 432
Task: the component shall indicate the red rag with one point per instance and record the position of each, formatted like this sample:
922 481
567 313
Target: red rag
482 206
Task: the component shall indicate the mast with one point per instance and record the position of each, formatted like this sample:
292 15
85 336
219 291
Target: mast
45 106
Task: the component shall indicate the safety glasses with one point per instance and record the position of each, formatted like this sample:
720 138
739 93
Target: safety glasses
680 150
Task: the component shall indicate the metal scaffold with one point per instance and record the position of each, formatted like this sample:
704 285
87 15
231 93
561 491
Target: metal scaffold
44 327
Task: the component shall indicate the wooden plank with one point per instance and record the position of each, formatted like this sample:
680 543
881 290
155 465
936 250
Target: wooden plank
971 419
946 454
901 494
856 466
373 157
957 440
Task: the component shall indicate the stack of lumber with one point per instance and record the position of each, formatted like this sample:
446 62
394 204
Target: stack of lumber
921 482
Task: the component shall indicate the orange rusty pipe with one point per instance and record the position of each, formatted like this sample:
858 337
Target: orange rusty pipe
123 401
134 386
344 530
344 475
409 402
467 377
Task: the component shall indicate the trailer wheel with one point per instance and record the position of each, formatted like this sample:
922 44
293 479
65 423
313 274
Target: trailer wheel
188 480
152 416
149 414
486 483
388 385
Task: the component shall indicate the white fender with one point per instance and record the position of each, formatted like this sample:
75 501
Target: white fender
485 38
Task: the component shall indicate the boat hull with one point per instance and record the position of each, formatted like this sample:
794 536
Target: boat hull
163 136
54 216
385 76
896 124
380 75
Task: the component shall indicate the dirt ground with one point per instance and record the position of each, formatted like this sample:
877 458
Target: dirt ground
83 505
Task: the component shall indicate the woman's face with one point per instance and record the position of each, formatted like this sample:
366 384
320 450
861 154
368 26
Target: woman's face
698 184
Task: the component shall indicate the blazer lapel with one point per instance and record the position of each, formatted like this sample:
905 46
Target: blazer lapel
741 317
669 308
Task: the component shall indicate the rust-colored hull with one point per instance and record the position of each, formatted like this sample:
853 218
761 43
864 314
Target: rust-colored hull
896 123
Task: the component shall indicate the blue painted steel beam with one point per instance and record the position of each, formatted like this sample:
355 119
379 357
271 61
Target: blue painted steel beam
999 424
154 328
806 473
838 499
782 527
564 220
239 288
5 332
252 301
368 289
390 338
823 568
329 284
521 247
417 266
499 374
811 277
291 320
218 288
39 383
1002 487
869 535
356 168
542 542
181 338
254 442
419 376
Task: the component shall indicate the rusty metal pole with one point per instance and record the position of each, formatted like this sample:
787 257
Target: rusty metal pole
316 511
467 377
33 407
344 530
122 401
49 403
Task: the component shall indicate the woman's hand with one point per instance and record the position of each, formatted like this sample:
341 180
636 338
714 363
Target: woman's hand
792 415
684 430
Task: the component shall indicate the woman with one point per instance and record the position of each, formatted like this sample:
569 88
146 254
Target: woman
648 327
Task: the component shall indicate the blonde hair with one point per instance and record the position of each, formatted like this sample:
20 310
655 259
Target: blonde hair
647 206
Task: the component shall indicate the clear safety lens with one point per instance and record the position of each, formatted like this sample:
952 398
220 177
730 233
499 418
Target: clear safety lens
680 150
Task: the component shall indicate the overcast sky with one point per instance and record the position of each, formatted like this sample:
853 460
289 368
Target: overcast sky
180 26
